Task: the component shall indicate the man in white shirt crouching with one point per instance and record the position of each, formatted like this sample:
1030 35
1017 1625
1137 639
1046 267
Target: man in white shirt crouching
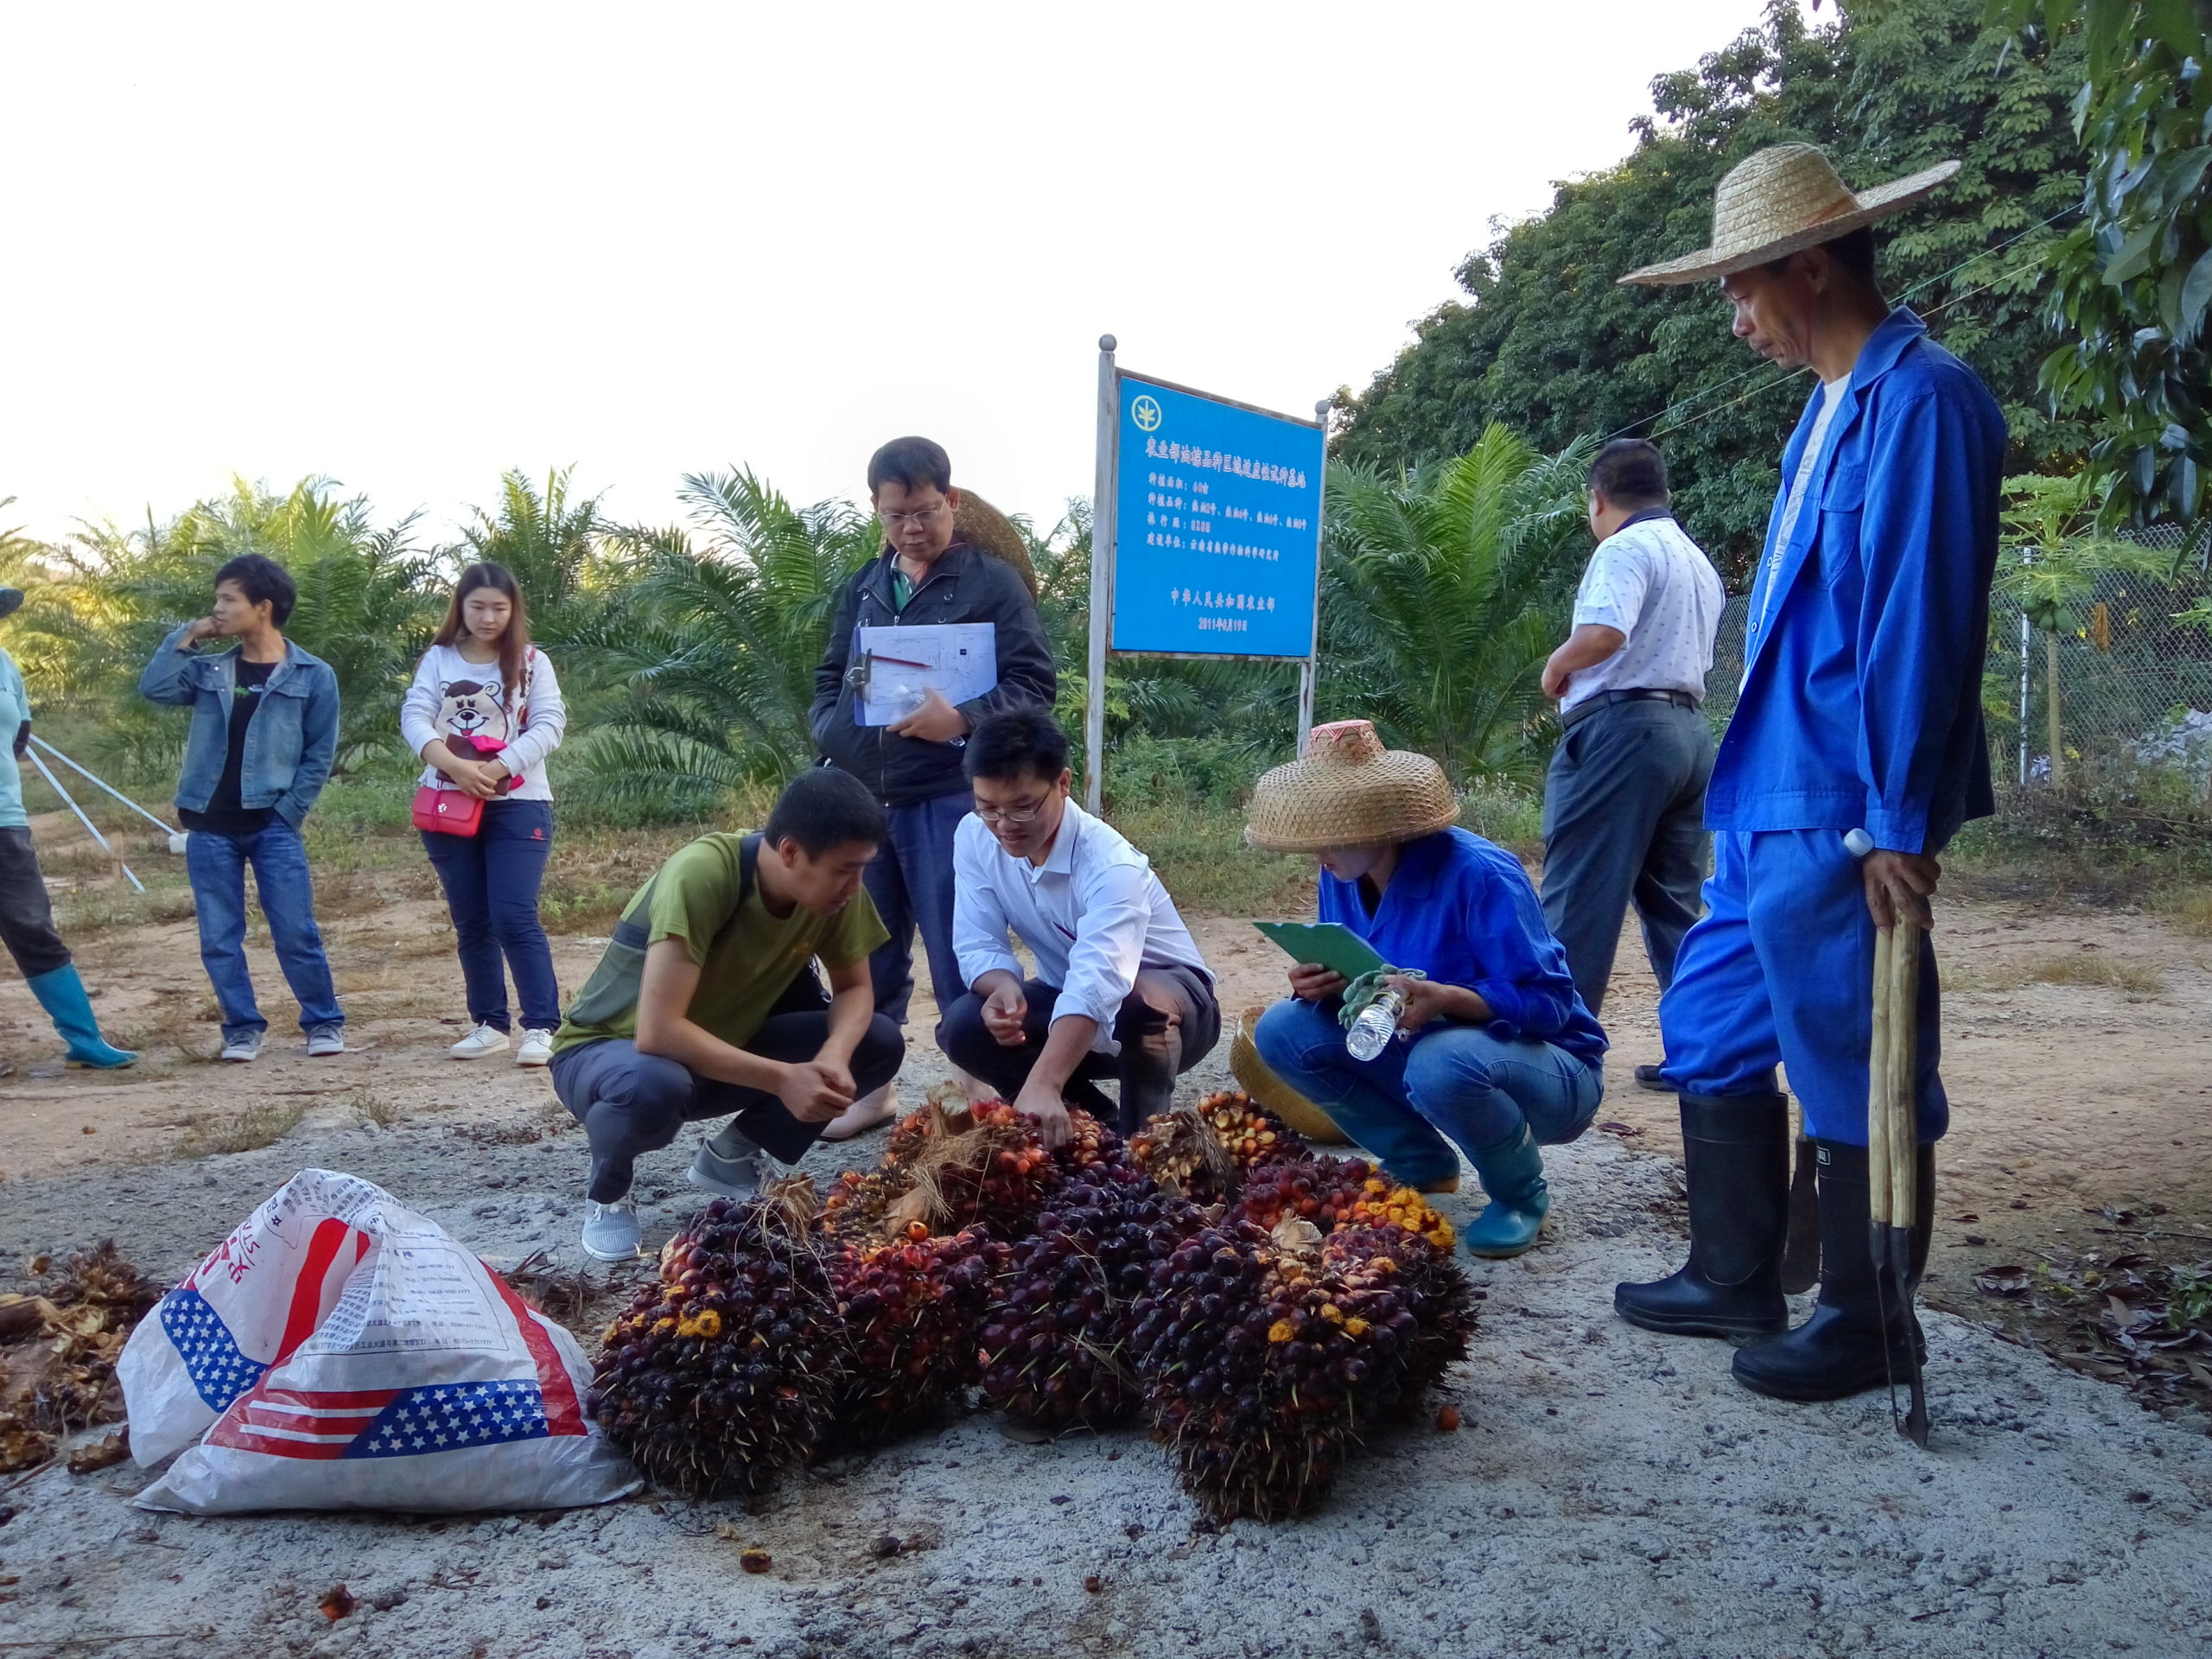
1121 991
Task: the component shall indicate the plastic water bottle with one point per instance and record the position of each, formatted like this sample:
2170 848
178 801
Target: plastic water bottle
1370 1033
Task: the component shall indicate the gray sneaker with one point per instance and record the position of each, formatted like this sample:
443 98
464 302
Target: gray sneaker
611 1229
242 1048
324 1041
729 1163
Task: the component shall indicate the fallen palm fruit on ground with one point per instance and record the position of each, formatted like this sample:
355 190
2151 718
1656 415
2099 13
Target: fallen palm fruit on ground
911 1309
1054 1346
726 1371
57 1352
1305 1301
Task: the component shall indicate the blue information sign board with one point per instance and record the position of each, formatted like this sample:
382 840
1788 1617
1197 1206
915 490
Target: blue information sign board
1217 511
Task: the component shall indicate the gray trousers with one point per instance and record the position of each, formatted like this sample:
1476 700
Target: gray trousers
26 916
1625 822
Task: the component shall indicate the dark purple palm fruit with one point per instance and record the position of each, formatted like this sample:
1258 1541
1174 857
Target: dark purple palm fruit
1401 1282
911 1309
1054 1346
1322 1190
725 1373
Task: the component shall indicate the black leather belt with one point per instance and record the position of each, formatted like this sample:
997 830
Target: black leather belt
1597 700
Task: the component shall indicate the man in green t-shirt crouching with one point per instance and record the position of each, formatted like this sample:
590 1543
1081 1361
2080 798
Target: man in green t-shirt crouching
706 1004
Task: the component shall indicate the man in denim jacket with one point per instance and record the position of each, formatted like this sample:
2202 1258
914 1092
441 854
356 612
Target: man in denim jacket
1855 752
265 727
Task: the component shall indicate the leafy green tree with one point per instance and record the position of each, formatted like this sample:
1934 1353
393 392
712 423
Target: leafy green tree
545 536
367 606
1546 342
2050 558
1442 594
2134 279
714 646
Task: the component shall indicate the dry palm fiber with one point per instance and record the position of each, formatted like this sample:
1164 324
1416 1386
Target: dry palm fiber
952 1166
1054 1347
911 1309
726 1372
57 1352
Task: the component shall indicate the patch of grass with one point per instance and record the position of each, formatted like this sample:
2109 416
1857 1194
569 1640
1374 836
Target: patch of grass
263 1124
372 1108
1199 850
2188 906
2078 968
1500 810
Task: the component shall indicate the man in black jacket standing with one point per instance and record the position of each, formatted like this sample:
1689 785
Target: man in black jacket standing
925 575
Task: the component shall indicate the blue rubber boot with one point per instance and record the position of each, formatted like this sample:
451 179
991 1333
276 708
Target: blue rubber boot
61 994
1513 1176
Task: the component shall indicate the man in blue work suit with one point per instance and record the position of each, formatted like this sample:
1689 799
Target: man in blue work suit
1855 752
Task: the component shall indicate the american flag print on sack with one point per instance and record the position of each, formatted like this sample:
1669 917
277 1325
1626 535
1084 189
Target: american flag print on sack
385 1422
211 1354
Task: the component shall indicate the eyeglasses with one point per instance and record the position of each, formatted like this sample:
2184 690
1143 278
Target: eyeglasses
920 518
1014 817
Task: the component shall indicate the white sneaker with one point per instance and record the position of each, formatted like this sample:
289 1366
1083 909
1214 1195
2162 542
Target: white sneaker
611 1229
240 1050
537 1048
484 1039
324 1041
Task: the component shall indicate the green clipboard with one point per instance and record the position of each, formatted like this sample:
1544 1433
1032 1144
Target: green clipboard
1331 944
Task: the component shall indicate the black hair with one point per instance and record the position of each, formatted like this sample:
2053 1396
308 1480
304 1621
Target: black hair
1020 743
1631 473
1853 252
912 463
823 809
259 577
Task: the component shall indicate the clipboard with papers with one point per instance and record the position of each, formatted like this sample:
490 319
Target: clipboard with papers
894 667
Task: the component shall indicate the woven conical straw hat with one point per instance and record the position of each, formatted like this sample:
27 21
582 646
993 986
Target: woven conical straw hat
1783 199
983 526
1350 791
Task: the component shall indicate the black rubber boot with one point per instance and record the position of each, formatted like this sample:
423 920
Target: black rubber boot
1736 1164
1847 1346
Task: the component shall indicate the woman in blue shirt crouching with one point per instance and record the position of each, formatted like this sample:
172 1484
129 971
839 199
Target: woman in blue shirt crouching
1495 1053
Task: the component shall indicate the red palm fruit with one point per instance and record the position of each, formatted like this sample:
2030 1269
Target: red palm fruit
911 1311
1054 1344
715 1390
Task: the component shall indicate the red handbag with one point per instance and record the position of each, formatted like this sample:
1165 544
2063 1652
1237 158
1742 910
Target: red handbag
447 811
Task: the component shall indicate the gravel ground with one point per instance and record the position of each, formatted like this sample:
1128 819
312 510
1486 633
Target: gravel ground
1611 1493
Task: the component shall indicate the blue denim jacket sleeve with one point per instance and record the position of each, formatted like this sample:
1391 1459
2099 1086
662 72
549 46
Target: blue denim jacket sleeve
168 677
318 747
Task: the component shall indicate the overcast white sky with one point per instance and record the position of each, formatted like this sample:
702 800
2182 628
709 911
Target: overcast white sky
409 246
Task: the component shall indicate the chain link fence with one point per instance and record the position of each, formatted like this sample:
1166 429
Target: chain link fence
2134 679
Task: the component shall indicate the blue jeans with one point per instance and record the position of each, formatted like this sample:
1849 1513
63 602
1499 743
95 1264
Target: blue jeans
911 880
216 866
1452 1085
490 880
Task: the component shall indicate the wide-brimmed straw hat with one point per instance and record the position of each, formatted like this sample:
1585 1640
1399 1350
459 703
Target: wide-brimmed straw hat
1785 198
1350 791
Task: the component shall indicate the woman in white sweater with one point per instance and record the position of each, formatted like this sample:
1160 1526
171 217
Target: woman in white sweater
483 712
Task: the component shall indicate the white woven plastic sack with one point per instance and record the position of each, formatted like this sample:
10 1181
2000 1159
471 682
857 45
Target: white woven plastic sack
338 1351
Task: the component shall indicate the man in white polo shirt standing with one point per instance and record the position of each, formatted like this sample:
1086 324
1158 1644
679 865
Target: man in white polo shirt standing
1624 800
1120 991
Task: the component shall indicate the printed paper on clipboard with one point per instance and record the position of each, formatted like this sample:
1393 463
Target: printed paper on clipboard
898 666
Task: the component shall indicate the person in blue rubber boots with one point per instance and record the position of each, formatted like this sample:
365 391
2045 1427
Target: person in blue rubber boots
26 915
1856 751
1494 1053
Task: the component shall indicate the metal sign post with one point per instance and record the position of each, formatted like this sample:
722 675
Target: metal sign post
1205 537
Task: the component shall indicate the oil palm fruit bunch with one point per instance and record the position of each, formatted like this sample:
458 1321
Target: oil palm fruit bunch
1246 1380
1249 1132
725 1373
1391 1275
1182 1155
857 1206
1090 1142
912 1307
1054 1346
1324 1191
1384 1203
